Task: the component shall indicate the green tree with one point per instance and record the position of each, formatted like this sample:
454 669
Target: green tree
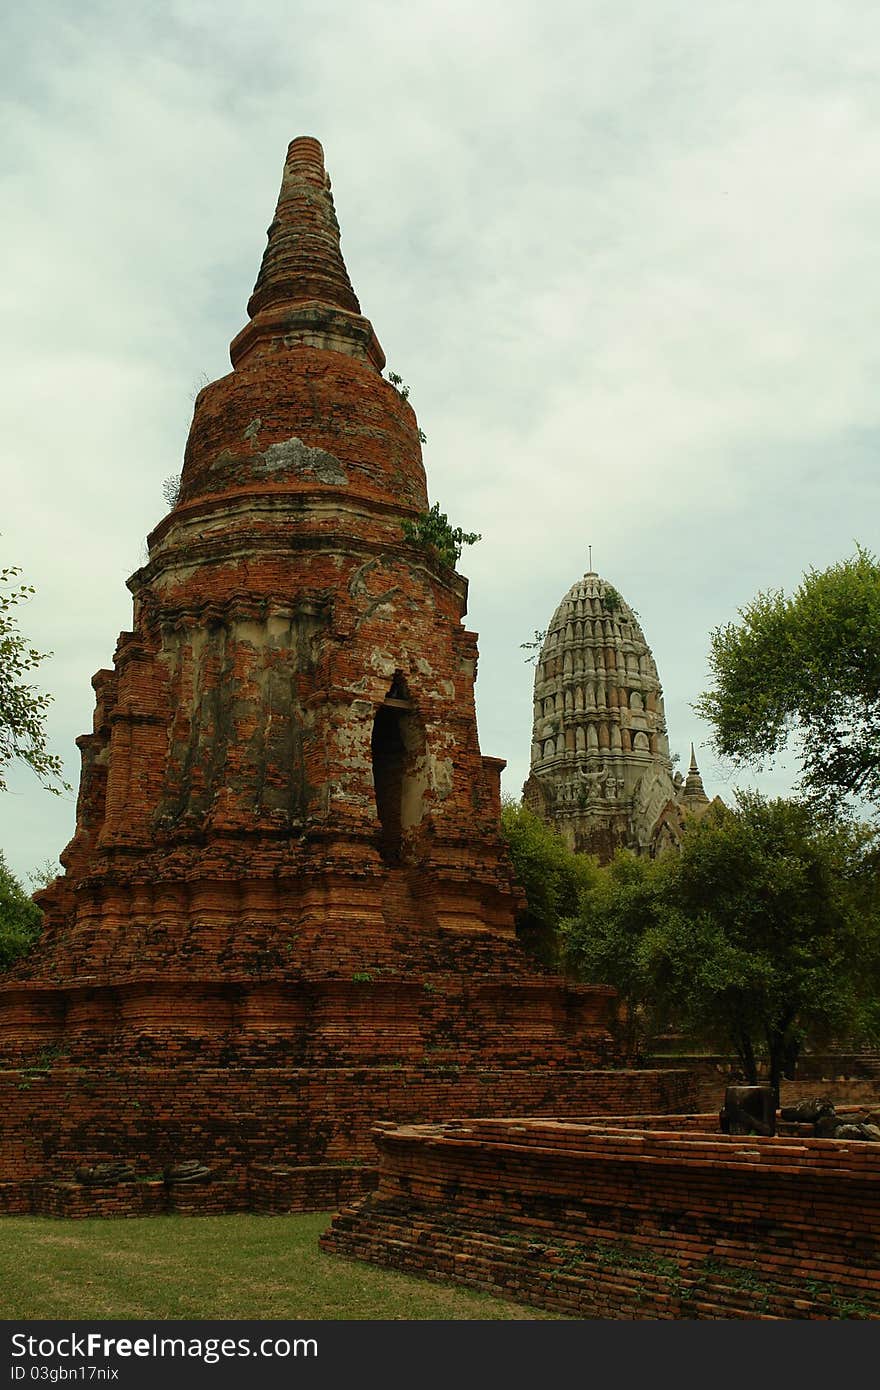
609 941
22 706
807 666
769 932
762 932
554 878
20 919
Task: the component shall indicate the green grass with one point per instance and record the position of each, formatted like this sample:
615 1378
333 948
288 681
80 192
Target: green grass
210 1267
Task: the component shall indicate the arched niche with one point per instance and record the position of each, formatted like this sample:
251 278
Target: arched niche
400 770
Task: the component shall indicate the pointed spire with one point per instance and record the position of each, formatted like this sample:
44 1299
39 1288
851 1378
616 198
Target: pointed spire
303 262
693 787
303 293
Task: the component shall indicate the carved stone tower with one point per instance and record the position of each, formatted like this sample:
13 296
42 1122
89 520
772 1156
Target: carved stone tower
600 766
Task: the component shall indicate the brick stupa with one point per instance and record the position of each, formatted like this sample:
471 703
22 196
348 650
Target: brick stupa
287 911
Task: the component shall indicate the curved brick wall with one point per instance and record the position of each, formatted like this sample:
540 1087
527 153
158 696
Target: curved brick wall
651 1217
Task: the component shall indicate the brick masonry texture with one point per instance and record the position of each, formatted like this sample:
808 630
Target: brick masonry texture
643 1217
287 910
311 1127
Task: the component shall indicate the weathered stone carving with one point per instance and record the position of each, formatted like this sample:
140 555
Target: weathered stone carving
105 1174
600 768
190 1170
820 1112
851 1130
808 1110
748 1110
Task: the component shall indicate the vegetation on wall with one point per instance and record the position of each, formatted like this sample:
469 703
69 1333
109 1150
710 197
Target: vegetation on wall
171 491
432 532
534 647
400 386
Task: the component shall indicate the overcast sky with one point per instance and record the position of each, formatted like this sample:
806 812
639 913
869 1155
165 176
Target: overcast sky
624 255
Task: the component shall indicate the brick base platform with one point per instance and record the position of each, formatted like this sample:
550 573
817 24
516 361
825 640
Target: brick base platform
275 1139
268 1189
629 1218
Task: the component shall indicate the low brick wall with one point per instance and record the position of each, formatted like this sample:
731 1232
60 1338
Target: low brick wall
309 1127
848 1078
655 1217
318 1187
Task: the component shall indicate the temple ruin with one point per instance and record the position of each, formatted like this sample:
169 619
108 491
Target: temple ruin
287 910
601 773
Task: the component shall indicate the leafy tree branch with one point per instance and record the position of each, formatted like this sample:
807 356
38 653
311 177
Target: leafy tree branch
22 706
809 667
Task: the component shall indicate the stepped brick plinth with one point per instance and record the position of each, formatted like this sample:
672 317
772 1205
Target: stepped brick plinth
287 910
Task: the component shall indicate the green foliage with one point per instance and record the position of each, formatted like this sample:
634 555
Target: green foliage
20 919
763 931
608 941
22 706
402 390
807 666
534 647
771 930
399 385
432 531
554 878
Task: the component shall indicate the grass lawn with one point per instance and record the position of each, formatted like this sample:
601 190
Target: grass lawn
210 1267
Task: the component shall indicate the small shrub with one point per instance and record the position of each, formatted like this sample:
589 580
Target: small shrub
432 532
171 491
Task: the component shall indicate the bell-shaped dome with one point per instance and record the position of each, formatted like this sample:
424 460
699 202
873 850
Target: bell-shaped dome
600 766
305 416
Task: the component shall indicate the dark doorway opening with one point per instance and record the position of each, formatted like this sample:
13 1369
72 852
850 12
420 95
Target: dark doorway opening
389 757
400 772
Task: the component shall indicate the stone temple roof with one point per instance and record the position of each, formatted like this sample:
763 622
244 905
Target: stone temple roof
596 666
600 753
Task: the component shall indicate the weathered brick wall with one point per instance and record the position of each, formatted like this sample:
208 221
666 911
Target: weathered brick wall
238 1121
628 1220
847 1077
